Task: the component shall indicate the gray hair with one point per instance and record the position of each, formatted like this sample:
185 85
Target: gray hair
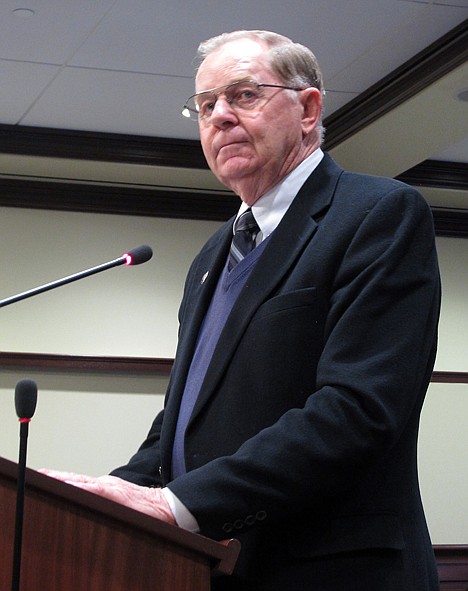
293 63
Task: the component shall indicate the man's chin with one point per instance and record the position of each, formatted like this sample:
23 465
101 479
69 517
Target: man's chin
234 169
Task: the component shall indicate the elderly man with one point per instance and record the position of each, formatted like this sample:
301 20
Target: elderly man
305 350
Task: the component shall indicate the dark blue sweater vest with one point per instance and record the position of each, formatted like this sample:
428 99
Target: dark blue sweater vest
226 293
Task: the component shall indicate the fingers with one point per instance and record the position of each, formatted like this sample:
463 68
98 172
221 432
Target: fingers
92 486
140 498
117 482
67 476
146 500
110 487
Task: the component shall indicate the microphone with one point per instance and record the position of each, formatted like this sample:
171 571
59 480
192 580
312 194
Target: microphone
25 403
136 256
25 399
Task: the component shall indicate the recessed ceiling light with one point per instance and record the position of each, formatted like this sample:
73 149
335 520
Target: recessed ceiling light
23 12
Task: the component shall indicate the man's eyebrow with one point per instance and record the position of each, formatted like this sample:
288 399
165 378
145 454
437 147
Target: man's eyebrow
237 81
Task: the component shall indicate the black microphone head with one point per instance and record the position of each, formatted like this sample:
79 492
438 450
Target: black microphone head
25 398
138 255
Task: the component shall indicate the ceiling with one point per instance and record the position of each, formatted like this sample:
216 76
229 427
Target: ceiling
126 67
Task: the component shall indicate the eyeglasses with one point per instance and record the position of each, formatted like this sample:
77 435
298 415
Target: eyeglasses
244 95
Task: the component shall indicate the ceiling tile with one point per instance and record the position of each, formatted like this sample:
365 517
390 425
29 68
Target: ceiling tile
119 102
25 84
395 46
53 33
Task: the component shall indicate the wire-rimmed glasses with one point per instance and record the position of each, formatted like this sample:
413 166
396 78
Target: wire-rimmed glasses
241 95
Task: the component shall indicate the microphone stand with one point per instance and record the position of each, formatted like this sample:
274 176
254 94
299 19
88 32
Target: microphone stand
24 429
25 403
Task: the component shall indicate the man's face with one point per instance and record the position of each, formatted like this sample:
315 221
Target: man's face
250 151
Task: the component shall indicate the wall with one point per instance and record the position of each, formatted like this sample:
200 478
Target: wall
443 437
90 422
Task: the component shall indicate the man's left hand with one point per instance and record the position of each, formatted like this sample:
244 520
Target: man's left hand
140 498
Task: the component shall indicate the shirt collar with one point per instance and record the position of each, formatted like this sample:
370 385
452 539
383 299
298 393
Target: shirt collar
270 208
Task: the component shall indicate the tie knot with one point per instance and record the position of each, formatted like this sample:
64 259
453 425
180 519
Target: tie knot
246 223
245 234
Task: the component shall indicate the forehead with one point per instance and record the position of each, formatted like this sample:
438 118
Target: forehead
233 61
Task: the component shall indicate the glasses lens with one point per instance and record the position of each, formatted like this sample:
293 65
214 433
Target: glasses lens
190 109
200 105
204 103
244 94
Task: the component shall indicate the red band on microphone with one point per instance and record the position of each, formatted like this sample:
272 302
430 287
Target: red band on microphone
25 420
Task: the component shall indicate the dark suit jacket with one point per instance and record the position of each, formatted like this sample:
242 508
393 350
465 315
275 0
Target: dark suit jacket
303 441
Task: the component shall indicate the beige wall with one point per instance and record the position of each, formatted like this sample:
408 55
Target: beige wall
92 423
443 440
89 422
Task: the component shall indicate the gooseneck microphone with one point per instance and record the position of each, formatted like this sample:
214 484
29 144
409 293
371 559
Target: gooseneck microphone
25 403
136 256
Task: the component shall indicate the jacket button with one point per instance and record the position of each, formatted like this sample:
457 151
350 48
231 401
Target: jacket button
260 515
227 528
238 524
249 520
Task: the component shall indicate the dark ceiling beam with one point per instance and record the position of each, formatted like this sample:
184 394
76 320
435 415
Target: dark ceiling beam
155 202
100 146
443 175
437 173
114 199
450 222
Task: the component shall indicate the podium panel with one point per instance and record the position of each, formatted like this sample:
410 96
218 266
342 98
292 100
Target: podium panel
76 541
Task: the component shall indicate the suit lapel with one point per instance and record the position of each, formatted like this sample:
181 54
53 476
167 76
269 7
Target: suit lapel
285 246
204 278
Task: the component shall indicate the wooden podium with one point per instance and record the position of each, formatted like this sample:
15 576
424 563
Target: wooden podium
76 541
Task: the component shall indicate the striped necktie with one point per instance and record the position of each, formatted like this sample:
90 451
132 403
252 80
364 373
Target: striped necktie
243 242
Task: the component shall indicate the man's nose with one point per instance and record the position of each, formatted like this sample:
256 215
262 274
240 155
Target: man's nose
223 112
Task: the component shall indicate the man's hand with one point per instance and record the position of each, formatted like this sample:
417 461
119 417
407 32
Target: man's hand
141 498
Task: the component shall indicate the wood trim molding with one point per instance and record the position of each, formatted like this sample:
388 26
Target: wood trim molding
115 199
134 365
450 222
450 377
452 564
437 173
160 202
100 146
84 363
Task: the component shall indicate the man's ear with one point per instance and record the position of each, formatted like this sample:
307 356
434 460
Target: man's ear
311 100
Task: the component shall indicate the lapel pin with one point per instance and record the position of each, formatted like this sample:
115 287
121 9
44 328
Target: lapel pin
203 279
